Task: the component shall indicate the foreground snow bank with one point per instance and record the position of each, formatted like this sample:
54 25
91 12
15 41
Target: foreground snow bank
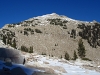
60 66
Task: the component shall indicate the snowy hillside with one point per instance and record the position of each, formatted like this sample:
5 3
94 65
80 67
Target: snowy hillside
35 67
60 66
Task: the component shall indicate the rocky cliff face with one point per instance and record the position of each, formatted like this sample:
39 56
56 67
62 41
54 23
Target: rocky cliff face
53 35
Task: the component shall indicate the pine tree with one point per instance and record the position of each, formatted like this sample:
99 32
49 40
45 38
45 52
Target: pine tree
4 39
31 49
81 49
8 40
24 48
75 56
61 57
14 43
67 57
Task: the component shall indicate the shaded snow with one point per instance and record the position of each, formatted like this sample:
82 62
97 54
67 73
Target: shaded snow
28 71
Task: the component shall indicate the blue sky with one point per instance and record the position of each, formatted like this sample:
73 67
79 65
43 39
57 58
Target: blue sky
13 11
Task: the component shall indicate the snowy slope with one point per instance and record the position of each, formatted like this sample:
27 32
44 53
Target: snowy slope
59 65
55 64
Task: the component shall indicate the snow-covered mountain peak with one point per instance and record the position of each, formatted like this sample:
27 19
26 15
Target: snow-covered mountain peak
48 16
46 20
52 16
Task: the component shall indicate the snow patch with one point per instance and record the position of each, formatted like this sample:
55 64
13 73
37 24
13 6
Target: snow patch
70 68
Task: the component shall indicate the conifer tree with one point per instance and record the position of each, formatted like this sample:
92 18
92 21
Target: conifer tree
31 49
14 43
67 57
81 49
75 56
4 39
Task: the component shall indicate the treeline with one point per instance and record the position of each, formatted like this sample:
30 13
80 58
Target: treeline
26 49
8 37
58 21
81 52
91 33
28 31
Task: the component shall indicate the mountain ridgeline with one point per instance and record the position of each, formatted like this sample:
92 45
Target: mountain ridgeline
54 35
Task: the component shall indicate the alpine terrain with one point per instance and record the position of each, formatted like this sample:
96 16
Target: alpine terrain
55 44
